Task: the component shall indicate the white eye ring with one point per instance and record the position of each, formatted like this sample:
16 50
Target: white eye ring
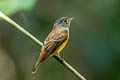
66 20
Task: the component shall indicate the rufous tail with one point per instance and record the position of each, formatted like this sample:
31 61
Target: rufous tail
40 59
36 65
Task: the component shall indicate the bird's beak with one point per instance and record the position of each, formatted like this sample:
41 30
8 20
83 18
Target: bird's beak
71 19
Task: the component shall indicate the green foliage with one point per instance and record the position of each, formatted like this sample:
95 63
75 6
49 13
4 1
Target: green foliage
11 6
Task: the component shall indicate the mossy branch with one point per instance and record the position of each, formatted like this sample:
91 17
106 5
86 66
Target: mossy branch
30 36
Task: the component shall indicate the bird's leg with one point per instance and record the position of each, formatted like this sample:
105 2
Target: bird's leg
58 57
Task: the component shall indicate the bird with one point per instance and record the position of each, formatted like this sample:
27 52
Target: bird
55 41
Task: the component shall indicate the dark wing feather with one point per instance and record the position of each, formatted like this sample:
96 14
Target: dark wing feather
53 42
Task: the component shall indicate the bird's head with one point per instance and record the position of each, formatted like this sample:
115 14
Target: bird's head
63 22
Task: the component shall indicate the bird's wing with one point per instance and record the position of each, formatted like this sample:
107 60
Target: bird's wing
53 41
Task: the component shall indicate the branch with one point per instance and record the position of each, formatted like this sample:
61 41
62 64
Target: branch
30 36
70 68
26 33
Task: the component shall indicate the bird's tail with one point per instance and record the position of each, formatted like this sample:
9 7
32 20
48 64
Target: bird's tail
36 65
40 59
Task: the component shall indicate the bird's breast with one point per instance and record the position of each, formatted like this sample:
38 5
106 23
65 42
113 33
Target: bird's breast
57 51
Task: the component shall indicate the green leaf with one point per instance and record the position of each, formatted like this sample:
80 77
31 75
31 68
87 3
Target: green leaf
9 7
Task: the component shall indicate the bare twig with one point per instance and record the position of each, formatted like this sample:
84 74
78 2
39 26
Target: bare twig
30 36
7 19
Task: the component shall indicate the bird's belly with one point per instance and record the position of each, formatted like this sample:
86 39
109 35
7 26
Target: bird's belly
56 52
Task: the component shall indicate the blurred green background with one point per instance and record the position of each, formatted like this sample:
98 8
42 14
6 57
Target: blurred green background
93 48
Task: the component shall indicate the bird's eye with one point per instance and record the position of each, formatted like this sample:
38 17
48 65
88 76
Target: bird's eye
65 21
